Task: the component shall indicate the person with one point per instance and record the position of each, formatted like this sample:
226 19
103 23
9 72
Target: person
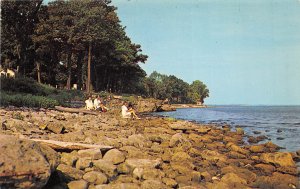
89 105
128 112
97 103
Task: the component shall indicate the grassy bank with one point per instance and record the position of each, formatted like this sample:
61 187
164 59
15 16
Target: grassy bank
27 92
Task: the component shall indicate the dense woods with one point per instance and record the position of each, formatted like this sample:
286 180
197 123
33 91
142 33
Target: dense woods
82 42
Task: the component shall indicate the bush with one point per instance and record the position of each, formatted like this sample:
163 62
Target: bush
26 85
27 100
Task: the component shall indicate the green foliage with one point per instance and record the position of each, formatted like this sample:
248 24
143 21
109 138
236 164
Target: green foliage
176 90
26 85
27 100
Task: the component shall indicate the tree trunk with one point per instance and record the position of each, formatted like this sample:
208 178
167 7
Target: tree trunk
88 87
79 70
69 70
38 68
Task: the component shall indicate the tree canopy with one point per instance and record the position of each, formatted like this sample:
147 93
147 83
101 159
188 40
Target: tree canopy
83 43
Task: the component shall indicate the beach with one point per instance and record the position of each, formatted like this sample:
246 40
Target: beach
52 149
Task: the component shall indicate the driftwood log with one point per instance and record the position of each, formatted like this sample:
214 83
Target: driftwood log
75 110
59 145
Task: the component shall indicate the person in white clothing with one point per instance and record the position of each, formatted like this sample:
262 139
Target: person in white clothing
128 113
97 103
89 105
125 112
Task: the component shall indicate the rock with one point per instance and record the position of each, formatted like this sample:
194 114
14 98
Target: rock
176 139
69 173
236 155
278 158
257 148
137 140
241 172
279 130
239 131
78 184
257 132
165 108
123 168
183 125
218 185
69 158
138 173
277 180
83 163
95 177
233 179
142 163
94 154
24 163
206 176
106 166
170 182
181 157
203 130
115 156
211 155
265 168
152 184
55 127
236 148
151 173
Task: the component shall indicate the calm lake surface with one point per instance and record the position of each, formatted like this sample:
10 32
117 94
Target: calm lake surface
281 124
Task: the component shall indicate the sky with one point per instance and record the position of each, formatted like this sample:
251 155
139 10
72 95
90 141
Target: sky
245 51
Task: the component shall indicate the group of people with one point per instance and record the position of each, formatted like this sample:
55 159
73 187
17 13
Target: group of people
96 104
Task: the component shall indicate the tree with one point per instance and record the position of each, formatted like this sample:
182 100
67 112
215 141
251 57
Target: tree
18 20
198 91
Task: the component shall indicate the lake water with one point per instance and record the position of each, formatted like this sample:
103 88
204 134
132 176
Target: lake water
281 124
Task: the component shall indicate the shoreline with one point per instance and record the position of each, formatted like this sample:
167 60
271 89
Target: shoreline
155 151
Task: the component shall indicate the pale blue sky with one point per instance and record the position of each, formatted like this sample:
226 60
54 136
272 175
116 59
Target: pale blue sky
246 51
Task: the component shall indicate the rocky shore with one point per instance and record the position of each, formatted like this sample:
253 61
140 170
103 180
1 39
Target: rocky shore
105 151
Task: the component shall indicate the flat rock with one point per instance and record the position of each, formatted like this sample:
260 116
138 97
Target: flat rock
183 125
78 184
142 163
278 158
94 153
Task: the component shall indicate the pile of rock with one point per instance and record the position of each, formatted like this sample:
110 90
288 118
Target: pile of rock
147 153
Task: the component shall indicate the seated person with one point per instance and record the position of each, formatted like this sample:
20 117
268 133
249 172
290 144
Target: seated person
89 105
97 103
128 112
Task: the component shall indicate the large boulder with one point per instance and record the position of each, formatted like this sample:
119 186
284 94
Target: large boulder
107 167
24 163
95 177
278 158
115 156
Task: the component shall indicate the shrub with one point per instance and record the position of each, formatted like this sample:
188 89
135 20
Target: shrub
26 85
27 100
